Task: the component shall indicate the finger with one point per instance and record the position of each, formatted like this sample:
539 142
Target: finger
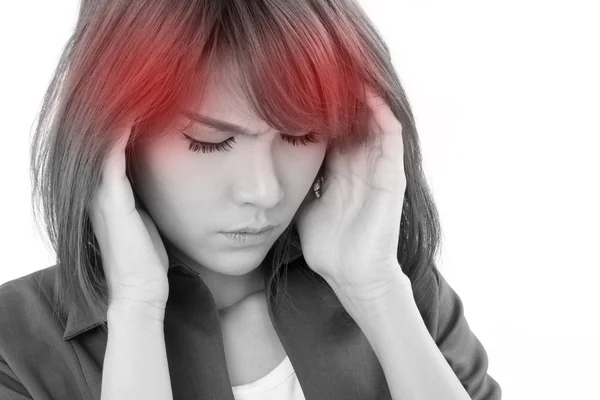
114 192
114 164
385 116
392 145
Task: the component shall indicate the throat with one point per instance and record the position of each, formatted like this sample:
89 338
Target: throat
252 346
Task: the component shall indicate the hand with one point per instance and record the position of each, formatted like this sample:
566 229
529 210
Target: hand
133 255
349 235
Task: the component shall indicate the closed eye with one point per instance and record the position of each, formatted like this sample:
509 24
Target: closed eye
207 147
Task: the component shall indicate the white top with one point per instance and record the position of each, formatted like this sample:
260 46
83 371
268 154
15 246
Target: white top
279 384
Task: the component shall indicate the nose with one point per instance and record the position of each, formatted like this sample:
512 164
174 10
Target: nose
257 181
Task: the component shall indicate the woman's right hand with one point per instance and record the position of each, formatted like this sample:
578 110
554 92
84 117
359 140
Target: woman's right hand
133 255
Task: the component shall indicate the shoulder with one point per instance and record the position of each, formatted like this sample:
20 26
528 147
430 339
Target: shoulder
27 310
35 360
34 289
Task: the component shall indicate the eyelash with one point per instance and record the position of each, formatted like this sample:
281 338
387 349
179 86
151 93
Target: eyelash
205 147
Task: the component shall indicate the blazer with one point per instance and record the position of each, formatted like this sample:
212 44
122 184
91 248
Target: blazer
46 357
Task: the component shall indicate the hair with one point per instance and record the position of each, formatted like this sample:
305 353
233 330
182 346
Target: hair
151 58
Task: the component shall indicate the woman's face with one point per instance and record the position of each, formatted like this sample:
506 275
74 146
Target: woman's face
192 196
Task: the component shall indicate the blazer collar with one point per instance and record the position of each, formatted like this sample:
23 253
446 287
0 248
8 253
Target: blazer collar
80 320
331 356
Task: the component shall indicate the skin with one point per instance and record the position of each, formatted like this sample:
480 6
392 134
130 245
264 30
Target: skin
191 196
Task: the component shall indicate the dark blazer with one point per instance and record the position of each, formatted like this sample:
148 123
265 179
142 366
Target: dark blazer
44 357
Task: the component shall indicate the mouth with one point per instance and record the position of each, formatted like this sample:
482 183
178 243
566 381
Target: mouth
245 239
251 230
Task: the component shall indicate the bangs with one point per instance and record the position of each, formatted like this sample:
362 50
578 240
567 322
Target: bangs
300 69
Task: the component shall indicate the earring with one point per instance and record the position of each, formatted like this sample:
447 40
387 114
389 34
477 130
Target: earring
317 187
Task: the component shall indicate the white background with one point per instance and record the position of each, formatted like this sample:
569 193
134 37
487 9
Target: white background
506 98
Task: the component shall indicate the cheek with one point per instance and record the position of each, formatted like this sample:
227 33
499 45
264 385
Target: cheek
320 158
179 203
301 168
168 166
166 180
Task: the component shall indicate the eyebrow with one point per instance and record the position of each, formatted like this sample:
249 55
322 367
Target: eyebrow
223 126
218 124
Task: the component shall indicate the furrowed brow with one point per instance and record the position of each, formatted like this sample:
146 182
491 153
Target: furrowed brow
222 126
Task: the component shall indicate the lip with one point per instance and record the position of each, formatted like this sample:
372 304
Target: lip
251 229
249 239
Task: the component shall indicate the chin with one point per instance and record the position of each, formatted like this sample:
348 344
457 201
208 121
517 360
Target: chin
233 263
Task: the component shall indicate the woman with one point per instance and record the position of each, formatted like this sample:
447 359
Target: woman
169 124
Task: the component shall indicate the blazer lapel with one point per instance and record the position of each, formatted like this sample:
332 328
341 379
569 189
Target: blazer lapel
332 358
194 340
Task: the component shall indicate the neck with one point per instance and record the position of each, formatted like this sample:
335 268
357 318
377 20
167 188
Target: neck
227 290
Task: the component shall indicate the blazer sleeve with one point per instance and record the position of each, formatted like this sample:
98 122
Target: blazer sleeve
10 387
460 347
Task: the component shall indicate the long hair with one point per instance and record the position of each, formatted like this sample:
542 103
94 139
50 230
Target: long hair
304 63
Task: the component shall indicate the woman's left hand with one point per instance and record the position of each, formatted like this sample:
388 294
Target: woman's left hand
349 235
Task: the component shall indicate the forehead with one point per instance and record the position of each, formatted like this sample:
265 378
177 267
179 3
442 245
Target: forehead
223 102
